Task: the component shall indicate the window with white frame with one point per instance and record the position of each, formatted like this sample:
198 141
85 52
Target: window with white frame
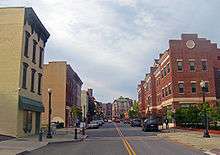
181 87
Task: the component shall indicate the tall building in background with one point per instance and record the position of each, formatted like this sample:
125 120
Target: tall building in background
107 110
174 79
120 106
22 41
66 91
84 103
91 105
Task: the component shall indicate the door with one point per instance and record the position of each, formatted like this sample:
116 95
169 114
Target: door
37 127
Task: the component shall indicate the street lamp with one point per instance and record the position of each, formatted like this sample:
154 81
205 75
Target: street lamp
49 135
206 131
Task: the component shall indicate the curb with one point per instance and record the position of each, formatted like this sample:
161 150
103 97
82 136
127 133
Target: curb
69 141
209 153
59 142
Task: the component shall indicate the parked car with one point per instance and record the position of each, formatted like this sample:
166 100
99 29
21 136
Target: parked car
110 121
93 125
100 122
136 122
151 124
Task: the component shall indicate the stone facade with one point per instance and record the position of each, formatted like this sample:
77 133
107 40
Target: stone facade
22 42
84 103
120 106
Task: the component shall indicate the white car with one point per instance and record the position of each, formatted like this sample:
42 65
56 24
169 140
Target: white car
93 125
110 121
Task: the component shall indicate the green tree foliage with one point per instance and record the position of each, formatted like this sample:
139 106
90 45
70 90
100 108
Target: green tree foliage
133 112
76 113
193 115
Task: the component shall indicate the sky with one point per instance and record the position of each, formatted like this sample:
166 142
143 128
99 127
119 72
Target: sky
111 44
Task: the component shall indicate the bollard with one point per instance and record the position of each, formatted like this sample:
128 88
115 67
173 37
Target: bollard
40 136
75 137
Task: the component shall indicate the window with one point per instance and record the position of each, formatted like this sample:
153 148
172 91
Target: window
179 65
32 79
165 71
27 36
162 92
27 121
39 83
206 87
204 65
166 92
192 65
169 89
162 74
193 86
34 51
24 76
41 57
181 87
168 68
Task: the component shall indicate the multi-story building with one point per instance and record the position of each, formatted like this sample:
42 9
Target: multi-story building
84 103
98 110
178 72
120 106
22 41
66 91
107 110
91 106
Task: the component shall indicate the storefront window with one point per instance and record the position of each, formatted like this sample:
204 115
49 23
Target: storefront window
27 125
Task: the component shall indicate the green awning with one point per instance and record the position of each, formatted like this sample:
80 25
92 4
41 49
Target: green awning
29 104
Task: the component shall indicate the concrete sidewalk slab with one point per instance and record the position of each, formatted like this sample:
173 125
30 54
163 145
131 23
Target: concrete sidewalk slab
193 139
22 145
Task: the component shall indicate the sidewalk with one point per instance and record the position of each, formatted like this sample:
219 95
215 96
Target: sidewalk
16 146
193 139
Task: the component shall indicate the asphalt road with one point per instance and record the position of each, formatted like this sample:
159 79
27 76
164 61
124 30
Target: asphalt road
117 139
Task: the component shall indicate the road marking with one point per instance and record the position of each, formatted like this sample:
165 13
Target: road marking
125 142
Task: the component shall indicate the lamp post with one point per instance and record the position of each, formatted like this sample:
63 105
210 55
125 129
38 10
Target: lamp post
49 135
206 131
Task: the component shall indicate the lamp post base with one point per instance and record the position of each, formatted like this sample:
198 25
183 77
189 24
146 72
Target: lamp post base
49 135
206 134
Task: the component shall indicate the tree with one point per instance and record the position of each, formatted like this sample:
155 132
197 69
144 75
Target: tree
133 112
76 113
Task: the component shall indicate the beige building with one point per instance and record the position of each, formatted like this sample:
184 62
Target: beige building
66 92
22 42
84 103
120 106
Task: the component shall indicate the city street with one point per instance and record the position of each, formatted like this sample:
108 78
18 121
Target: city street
117 139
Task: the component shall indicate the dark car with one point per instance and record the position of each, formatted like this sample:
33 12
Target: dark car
136 123
151 124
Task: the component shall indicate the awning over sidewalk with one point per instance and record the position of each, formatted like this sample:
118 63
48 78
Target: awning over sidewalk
29 104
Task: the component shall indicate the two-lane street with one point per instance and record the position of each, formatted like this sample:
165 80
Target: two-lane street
118 139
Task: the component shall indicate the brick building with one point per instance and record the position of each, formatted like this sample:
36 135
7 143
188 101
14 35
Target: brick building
174 79
107 110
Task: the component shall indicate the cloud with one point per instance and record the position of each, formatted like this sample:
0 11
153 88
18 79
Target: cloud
111 44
